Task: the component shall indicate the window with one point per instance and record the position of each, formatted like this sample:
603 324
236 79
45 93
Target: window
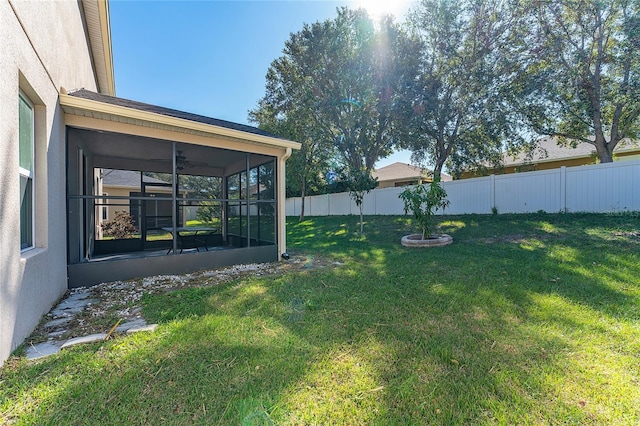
27 168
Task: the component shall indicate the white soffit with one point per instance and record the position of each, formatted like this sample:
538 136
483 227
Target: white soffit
96 15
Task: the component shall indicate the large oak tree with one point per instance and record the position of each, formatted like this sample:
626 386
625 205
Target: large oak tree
577 71
455 111
337 82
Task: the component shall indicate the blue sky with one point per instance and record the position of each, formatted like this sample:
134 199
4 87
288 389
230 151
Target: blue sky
207 57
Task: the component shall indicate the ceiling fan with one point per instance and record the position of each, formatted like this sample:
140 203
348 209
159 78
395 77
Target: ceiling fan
182 162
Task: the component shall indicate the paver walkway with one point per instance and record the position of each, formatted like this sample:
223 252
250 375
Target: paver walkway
80 316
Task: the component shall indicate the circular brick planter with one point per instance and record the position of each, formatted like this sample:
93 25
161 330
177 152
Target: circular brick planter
415 240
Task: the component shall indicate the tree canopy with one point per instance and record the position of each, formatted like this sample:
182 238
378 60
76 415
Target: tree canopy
336 84
578 71
459 84
306 166
453 105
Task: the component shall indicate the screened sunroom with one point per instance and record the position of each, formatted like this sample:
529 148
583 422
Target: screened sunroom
156 191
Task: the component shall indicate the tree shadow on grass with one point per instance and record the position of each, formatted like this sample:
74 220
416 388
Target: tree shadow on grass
191 371
474 333
521 303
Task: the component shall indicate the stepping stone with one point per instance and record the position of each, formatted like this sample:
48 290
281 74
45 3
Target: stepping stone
131 324
77 296
59 322
150 327
92 338
71 307
42 350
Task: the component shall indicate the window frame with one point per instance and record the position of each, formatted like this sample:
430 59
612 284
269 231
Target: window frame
30 175
105 207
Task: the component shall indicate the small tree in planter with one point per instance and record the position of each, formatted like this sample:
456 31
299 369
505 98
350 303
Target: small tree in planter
359 182
423 201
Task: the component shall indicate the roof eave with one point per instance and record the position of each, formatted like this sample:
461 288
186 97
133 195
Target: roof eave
96 14
70 104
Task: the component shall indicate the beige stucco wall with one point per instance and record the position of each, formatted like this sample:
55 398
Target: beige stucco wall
43 47
114 191
398 182
386 184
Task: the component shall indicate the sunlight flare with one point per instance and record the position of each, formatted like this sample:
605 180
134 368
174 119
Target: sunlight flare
378 8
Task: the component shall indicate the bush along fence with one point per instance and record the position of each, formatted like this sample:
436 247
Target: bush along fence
598 188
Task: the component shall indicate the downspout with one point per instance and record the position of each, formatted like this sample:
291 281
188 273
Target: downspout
282 194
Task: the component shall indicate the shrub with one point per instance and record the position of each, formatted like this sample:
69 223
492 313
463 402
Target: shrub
120 227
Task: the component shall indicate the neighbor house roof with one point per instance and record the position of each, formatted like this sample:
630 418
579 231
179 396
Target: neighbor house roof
548 150
90 104
126 178
402 171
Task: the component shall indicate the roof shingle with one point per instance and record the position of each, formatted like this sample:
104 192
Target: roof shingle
127 178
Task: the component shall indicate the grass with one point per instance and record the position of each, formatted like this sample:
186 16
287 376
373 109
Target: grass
214 223
525 319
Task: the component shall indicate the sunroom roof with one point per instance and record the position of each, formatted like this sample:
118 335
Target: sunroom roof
90 104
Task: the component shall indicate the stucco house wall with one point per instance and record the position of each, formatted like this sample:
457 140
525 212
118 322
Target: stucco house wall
44 47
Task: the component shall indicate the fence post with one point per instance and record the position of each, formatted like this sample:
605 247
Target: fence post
492 183
563 189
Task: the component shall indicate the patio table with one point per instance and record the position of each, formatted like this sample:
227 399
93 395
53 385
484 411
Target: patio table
188 236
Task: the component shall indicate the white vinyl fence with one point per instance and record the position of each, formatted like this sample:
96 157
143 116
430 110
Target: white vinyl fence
599 188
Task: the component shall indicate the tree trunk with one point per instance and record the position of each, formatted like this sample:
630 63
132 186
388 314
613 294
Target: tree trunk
303 191
361 219
607 157
437 170
605 153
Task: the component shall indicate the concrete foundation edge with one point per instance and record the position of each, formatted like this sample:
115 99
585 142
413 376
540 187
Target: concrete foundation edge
92 273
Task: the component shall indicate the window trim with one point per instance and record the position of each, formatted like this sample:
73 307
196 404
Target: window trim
29 174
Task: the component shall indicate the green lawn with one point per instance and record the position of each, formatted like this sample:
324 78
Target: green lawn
525 319
213 223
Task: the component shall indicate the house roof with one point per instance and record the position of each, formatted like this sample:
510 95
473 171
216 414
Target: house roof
85 103
126 178
402 171
548 150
